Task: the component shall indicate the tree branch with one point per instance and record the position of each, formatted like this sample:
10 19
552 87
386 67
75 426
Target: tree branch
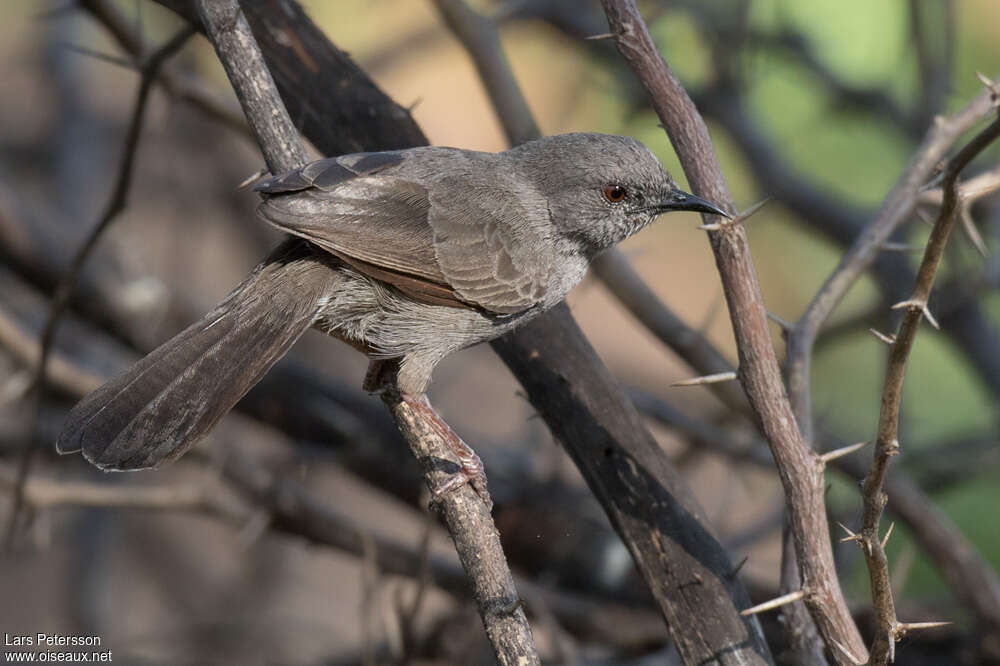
800 474
888 628
897 208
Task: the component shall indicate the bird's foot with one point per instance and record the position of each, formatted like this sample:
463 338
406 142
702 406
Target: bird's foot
471 472
471 468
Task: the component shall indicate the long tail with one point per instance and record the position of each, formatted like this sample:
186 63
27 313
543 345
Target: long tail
169 400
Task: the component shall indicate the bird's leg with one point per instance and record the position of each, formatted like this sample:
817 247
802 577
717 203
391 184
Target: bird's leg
471 469
379 376
418 418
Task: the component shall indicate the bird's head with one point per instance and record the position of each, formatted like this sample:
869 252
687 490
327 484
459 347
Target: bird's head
602 188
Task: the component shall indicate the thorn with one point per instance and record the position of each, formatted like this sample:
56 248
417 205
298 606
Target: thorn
914 304
854 659
885 539
251 179
715 226
892 646
707 379
851 536
598 37
903 628
969 227
785 325
841 452
990 85
887 339
775 603
901 247
414 104
743 216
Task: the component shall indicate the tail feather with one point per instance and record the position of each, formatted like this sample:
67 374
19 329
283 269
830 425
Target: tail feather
168 401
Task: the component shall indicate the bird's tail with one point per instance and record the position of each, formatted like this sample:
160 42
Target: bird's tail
161 406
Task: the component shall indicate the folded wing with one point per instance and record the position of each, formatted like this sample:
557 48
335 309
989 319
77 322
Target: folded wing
459 242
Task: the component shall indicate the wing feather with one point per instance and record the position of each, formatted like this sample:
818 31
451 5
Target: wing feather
470 244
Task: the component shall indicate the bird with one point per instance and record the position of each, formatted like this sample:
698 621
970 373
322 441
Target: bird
407 255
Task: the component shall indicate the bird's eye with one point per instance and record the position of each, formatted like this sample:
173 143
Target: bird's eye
614 193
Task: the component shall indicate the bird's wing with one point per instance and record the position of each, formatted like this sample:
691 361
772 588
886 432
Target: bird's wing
493 243
444 250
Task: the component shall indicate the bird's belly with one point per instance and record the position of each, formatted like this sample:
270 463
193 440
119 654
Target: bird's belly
382 323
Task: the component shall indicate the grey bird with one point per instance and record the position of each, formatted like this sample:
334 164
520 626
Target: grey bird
407 255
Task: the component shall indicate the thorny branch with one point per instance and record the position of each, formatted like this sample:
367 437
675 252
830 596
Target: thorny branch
117 202
888 628
798 468
896 209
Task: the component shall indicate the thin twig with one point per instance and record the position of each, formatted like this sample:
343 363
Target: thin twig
117 202
174 82
46 493
888 628
897 207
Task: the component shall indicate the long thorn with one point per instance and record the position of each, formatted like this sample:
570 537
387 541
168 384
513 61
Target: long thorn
777 602
885 539
707 379
841 452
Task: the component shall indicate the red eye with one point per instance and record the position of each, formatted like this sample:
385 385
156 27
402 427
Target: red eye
614 193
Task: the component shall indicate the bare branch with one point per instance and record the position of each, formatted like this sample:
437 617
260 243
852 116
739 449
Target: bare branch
176 84
479 36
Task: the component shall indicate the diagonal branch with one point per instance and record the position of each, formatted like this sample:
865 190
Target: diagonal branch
758 367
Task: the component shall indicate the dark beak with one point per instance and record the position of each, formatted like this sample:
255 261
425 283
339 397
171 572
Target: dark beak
680 200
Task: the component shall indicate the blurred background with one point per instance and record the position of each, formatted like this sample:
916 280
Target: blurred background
817 105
